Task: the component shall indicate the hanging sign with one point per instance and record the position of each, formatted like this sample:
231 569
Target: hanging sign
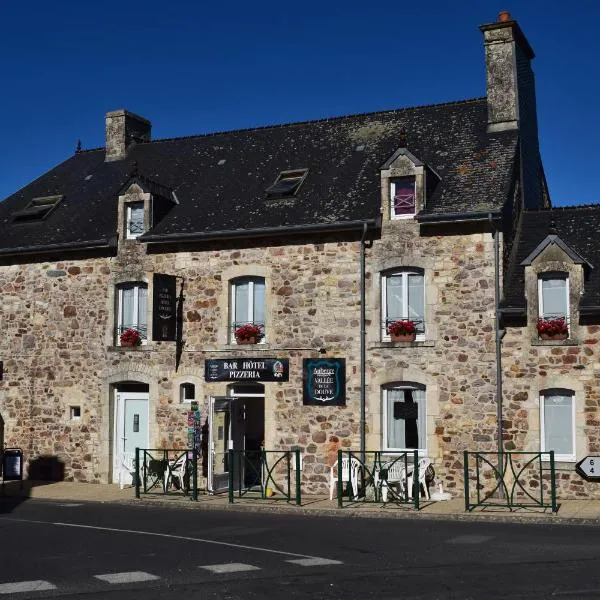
164 311
247 369
324 381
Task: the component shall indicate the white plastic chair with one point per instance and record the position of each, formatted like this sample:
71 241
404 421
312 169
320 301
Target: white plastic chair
176 469
127 469
424 463
350 472
396 476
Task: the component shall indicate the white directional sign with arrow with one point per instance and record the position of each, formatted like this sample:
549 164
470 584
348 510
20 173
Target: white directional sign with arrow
589 468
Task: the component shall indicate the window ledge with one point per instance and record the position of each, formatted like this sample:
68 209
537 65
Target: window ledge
415 344
567 342
130 348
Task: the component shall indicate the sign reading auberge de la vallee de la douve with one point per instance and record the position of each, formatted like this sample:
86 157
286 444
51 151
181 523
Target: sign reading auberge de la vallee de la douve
324 381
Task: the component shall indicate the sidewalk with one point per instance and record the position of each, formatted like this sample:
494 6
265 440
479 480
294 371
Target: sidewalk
582 512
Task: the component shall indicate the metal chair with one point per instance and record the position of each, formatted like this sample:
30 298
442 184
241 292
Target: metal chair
351 468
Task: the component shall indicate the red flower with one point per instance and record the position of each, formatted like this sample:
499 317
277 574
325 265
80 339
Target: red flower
552 326
130 337
402 327
247 331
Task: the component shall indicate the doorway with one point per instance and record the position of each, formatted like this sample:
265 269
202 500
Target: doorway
131 428
236 422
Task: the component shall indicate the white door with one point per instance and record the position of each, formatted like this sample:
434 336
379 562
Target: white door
225 432
131 432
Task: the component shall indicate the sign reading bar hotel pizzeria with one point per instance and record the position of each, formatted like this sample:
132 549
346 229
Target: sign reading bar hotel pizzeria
324 381
164 299
247 369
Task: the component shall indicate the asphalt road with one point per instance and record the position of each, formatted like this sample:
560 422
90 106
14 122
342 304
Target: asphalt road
93 550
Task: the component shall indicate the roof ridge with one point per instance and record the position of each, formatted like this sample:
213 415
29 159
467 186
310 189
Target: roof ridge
562 208
307 122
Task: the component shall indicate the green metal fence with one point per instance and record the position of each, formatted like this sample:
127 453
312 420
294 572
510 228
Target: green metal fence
510 480
166 471
265 474
383 477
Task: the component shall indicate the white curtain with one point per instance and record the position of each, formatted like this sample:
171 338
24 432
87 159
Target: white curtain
558 424
405 416
554 297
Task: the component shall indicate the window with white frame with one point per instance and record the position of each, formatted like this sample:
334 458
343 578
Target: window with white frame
187 392
132 310
134 219
402 197
553 293
557 423
404 417
403 298
247 304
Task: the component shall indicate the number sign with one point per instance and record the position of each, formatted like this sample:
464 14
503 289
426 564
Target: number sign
589 468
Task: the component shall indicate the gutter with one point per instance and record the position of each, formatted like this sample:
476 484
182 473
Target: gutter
458 217
87 245
363 357
174 238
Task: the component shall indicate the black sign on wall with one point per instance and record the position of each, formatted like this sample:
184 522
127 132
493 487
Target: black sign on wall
247 369
324 381
164 302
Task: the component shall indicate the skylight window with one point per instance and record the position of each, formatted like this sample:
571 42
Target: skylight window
288 183
37 210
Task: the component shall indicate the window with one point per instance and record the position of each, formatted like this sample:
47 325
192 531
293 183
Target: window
247 303
187 392
404 417
557 423
37 210
132 309
402 195
135 219
287 183
75 413
403 297
553 293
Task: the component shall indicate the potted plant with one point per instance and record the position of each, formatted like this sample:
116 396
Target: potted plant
130 337
552 329
403 330
248 334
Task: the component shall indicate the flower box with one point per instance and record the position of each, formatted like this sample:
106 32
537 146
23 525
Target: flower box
248 334
552 329
250 340
554 336
130 338
403 330
403 337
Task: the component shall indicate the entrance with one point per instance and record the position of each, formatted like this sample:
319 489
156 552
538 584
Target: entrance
236 422
131 430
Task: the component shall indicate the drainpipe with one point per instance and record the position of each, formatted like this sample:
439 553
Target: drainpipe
363 361
499 335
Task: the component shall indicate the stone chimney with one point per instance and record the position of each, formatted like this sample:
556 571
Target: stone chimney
510 79
122 130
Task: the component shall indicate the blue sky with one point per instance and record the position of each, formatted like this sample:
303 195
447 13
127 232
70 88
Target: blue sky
197 67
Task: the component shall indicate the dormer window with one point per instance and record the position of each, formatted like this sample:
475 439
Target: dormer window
135 219
287 184
553 293
37 210
402 195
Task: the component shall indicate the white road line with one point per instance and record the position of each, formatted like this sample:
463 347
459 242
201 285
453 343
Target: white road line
26 586
229 568
314 562
470 539
163 535
127 577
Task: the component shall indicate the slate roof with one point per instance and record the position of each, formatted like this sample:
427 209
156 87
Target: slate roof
577 227
342 186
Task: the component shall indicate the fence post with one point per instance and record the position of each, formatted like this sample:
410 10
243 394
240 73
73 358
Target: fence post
137 473
145 471
416 480
195 474
340 483
230 475
466 478
298 478
552 482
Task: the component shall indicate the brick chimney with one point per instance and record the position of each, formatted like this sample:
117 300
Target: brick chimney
510 79
511 97
122 130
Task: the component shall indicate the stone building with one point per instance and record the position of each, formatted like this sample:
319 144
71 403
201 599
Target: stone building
322 234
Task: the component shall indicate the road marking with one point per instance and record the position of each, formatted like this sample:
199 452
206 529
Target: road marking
229 568
314 562
163 535
470 539
127 577
26 586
